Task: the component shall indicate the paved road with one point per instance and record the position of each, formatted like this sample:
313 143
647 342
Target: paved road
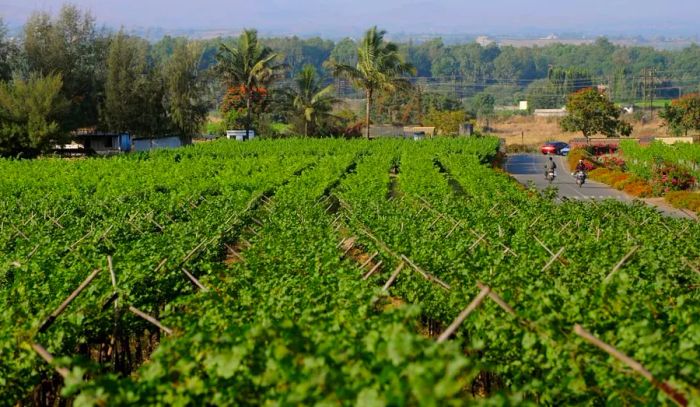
530 167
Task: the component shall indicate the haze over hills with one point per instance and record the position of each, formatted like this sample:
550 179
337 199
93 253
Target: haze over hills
640 22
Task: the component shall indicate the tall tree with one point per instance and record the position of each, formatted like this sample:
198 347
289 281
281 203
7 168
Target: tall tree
591 112
8 52
250 66
379 67
682 115
29 113
70 45
309 100
184 99
134 90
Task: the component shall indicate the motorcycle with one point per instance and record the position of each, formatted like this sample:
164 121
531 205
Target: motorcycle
580 178
550 175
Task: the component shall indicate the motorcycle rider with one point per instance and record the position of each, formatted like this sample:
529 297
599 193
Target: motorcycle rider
549 166
581 167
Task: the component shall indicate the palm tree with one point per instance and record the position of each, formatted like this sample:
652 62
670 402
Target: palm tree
309 100
249 65
379 67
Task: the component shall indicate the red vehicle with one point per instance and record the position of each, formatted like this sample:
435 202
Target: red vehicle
554 147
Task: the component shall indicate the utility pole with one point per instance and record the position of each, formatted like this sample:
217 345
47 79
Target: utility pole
652 85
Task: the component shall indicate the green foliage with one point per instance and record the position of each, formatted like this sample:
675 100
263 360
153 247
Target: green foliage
249 66
682 115
295 323
8 54
309 103
484 104
70 45
591 112
446 122
642 160
184 91
543 94
29 114
379 68
134 89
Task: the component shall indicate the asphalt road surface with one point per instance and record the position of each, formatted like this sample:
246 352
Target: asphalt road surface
530 167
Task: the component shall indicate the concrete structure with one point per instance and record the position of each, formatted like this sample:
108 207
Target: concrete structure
89 141
160 142
240 135
550 112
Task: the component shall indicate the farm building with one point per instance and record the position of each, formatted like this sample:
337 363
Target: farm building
89 141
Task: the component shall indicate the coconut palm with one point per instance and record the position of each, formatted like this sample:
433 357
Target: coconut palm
309 100
250 66
379 67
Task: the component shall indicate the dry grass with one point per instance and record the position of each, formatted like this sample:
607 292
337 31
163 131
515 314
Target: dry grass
537 130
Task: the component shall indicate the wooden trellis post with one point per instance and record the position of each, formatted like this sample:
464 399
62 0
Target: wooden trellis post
47 323
675 395
464 314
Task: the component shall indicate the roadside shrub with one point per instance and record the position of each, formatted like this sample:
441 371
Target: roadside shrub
639 188
622 181
613 162
669 177
684 199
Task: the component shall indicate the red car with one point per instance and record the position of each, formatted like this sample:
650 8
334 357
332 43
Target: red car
554 147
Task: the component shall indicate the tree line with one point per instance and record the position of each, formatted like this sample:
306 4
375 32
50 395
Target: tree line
64 73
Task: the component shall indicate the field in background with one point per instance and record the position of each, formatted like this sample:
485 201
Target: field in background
540 129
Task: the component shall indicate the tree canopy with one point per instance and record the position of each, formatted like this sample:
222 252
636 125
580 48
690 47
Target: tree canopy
591 112
379 67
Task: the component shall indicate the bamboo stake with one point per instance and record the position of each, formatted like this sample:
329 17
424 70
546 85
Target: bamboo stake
552 260
341 243
366 262
234 252
689 264
476 243
160 265
150 319
192 252
498 300
55 222
20 232
435 221
551 253
79 240
620 263
111 272
45 325
194 280
371 272
49 359
453 229
29 256
426 275
675 395
464 314
392 278
534 221
350 247
104 234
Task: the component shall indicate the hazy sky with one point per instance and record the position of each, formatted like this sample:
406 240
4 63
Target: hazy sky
642 17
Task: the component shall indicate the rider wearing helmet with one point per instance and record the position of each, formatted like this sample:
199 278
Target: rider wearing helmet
581 166
550 165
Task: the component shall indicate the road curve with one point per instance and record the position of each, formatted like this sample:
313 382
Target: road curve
530 168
